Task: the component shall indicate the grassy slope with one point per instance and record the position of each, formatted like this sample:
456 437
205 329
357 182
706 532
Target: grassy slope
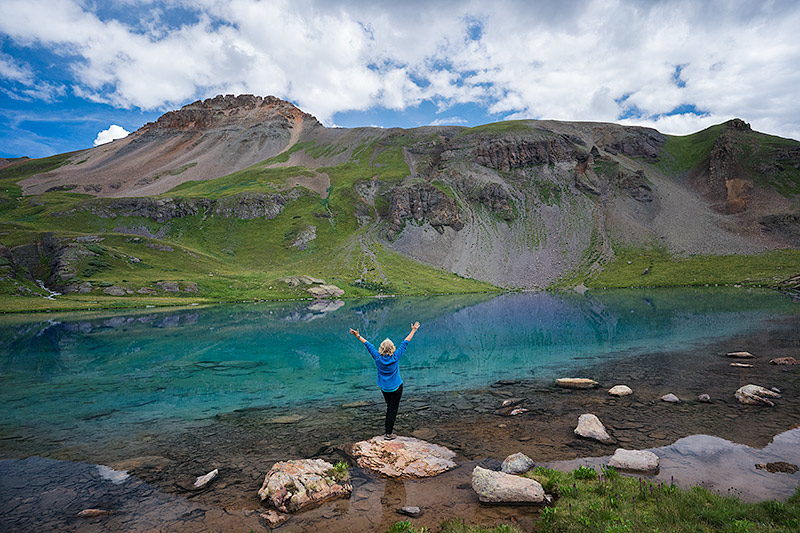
233 259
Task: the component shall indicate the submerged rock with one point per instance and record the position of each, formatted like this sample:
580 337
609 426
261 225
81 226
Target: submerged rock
670 398
202 481
517 463
499 487
92 513
273 519
755 395
634 461
590 427
291 485
741 365
403 457
576 383
620 390
781 467
741 355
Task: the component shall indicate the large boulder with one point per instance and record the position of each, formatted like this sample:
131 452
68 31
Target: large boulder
517 463
620 390
291 485
325 291
590 427
755 395
499 487
635 461
576 383
405 457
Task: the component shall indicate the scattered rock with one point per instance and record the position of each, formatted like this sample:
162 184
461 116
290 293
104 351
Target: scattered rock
291 485
590 427
202 481
783 361
635 461
517 463
91 513
190 287
705 398
273 519
620 390
408 510
499 487
147 290
576 383
741 355
755 395
325 291
741 365
114 291
670 398
168 286
778 467
403 457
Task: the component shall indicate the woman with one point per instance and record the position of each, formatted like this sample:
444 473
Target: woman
387 360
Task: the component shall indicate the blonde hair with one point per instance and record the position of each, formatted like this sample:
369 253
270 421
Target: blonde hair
386 347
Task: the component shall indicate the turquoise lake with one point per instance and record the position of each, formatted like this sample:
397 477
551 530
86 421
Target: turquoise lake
86 376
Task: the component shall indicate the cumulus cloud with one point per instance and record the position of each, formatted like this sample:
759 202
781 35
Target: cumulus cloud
112 133
446 121
609 60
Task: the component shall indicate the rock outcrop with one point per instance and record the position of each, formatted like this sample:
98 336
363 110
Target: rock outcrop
590 427
755 395
422 203
404 457
499 487
292 485
515 152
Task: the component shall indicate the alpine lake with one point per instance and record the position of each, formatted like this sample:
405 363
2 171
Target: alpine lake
122 410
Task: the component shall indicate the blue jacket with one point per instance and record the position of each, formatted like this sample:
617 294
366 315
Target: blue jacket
388 367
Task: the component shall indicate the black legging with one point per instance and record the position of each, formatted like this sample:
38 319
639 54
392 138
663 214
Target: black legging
392 404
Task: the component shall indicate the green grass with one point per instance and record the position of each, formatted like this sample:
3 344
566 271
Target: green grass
665 270
614 503
256 178
682 153
505 126
785 175
453 525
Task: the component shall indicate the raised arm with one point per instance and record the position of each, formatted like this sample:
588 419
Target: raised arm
357 335
414 328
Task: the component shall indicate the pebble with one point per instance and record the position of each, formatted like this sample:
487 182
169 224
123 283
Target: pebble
411 511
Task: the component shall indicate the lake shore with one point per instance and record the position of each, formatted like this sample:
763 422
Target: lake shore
244 444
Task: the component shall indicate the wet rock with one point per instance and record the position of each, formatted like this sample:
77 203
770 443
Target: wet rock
273 519
92 513
620 390
517 463
576 383
741 355
352 405
705 398
783 361
755 395
499 487
670 398
292 485
741 365
425 433
114 291
410 510
403 457
325 291
634 461
590 427
778 467
202 481
286 419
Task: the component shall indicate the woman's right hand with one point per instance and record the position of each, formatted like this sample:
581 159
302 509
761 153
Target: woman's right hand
354 332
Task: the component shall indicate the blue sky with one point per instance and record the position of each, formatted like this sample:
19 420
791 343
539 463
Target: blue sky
70 69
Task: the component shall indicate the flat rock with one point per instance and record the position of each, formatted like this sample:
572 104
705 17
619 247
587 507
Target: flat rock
670 398
92 513
292 485
740 355
499 487
273 519
576 383
590 427
755 395
202 481
620 390
325 291
783 361
634 461
403 457
517 463
778 467
410 510
741 365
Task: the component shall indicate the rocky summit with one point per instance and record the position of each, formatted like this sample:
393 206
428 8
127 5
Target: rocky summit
256 185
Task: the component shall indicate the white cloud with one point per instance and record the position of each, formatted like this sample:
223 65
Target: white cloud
446 121
581 60
112 133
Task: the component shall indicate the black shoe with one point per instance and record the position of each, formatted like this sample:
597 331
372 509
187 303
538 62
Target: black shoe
389 436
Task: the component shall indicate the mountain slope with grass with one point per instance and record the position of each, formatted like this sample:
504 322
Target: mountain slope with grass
239 197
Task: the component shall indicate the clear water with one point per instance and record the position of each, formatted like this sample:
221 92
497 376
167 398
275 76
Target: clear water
95 375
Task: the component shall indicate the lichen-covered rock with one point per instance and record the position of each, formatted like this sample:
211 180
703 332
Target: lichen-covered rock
755 395
576 383
291 485
620 390
499 487
403 457
634 461
590 427
517 463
